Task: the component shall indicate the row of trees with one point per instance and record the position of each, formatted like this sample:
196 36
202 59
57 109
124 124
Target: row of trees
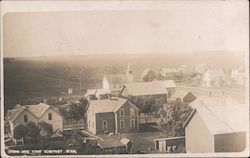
150 75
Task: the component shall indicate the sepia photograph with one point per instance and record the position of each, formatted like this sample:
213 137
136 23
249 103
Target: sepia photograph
117 78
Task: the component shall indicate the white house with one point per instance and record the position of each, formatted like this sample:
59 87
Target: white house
34 113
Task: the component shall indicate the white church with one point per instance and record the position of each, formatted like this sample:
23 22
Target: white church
114 82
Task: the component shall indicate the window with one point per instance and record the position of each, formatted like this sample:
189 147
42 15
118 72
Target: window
122 112
132 111
114 85
157 145
93 124
49 116
122 124
89 123
25 118
132 123
104 124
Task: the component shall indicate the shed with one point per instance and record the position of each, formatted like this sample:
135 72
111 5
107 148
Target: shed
169 144
185 96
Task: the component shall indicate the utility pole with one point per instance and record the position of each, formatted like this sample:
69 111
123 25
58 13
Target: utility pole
80 80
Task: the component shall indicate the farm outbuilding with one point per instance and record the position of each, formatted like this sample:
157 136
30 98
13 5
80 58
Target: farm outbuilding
184 96
169 144
217 124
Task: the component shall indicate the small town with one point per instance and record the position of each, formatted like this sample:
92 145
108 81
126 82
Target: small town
123 78
174 110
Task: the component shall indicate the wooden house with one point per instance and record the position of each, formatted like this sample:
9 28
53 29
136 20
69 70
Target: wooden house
112 115
34 113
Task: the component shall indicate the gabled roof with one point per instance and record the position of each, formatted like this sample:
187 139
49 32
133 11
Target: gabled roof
37 110
145 88
181 94
14 113
107 105
220 115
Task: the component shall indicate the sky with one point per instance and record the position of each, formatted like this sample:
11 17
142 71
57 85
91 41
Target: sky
162 27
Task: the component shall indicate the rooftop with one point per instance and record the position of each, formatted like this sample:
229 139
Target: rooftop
221 114
107 105
36 110
145 88
180 94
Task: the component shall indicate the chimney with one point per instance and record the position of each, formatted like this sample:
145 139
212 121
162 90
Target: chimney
44 101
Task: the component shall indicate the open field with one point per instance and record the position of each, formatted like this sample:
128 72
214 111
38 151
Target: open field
27 78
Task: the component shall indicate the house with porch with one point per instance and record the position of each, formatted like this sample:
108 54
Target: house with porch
115 115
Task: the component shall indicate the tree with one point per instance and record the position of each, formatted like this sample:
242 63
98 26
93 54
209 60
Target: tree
20 131
177 113
146 106
148 75
33 130
46 129
77 110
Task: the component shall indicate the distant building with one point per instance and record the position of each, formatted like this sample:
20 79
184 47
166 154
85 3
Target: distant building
184 69
168 73
93 94
146 91
213 78
168 145
114 82
34 113
200 69
169 85
70 90
112 115
217 124
184 96
238 76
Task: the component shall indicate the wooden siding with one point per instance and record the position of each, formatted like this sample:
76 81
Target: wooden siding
110 117
127 117
198 137
230 142
56 122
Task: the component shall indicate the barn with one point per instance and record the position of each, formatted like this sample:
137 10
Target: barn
217 124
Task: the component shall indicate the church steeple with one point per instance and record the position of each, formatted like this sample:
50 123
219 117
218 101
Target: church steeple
129 73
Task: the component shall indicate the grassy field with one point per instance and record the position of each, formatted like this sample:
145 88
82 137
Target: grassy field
26 78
